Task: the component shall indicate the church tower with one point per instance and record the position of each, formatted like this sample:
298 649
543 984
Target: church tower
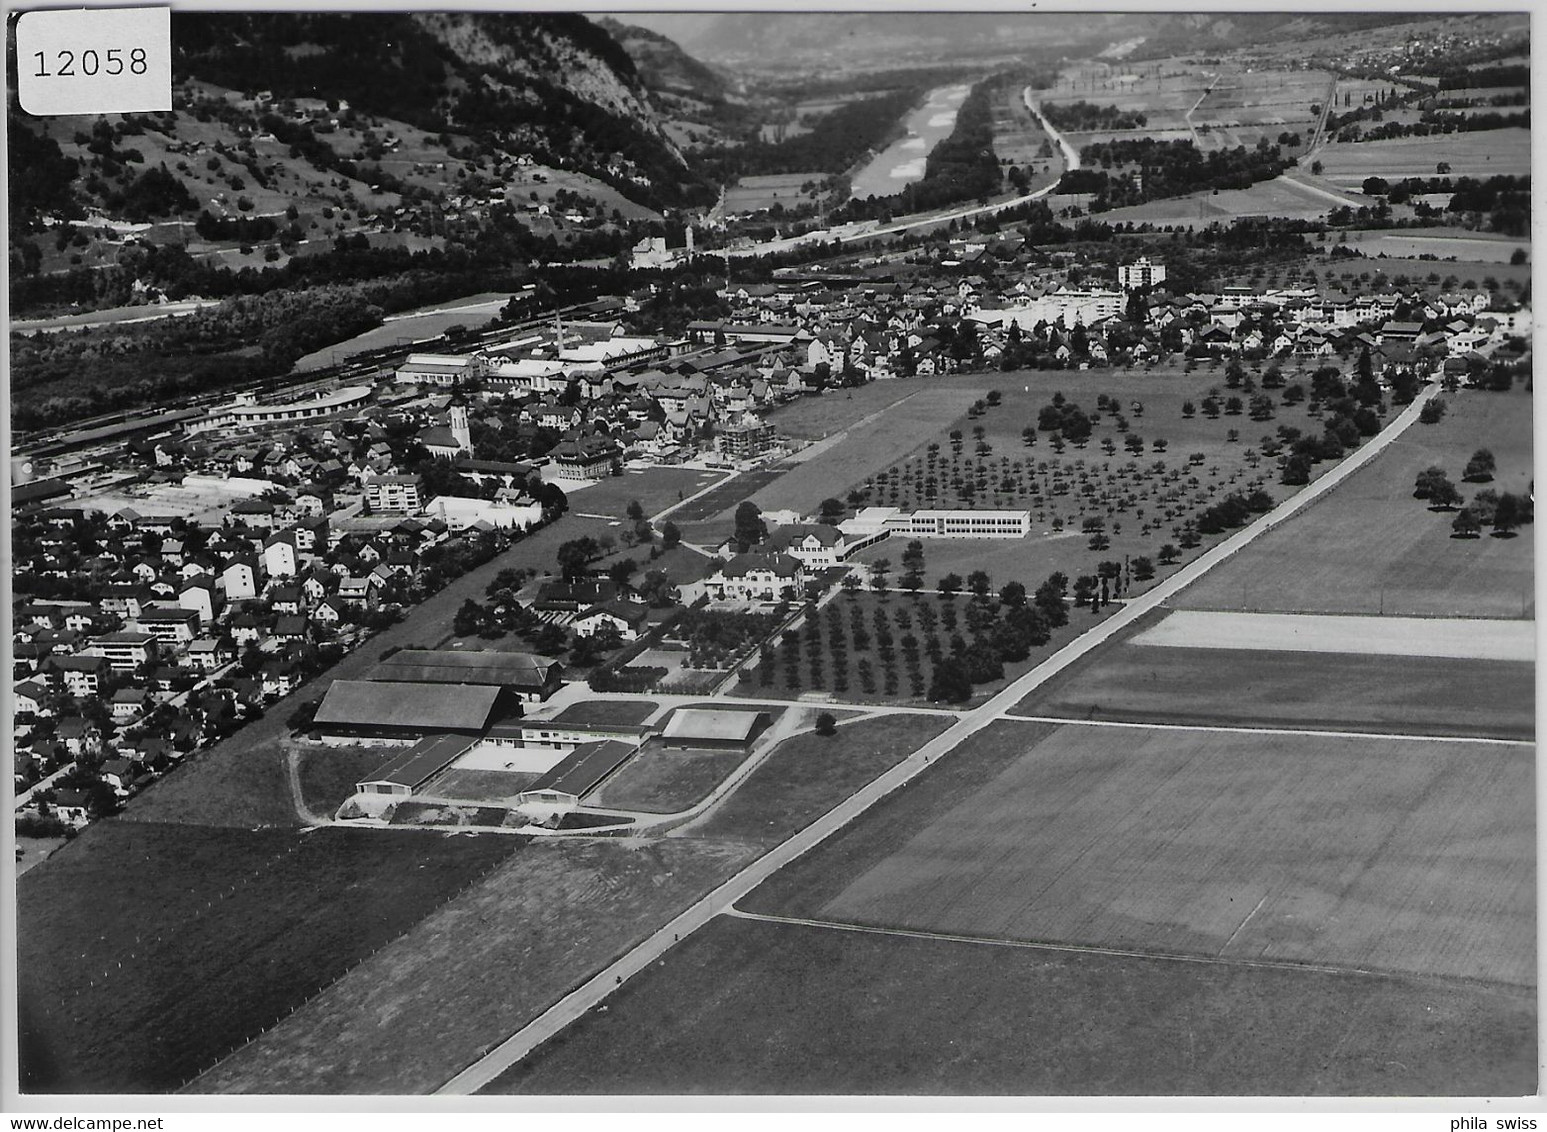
459 429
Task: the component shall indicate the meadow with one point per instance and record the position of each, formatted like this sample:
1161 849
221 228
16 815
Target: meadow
201 938
662 781
749 1007
752 194
1365 853
1336 691
479 968
1478 153
1370 547
809 774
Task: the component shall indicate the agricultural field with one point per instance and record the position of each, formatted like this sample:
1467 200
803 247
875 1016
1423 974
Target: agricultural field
1479 153
1370 547
749 1007
1336 691
1367 853
186 918
1476 253
659 780
483 965
807 775
724 498
1282 197
752 194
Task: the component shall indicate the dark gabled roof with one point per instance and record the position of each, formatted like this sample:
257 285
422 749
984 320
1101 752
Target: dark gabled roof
584 769
432 707
484 667
419 763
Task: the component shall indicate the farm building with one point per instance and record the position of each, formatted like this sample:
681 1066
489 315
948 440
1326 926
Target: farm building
714 729
407 771
577 775
528 678
561 736
403 712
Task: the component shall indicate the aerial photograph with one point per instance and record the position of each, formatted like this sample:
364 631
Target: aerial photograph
763 555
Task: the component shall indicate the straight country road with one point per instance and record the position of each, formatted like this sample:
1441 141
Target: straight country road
596 989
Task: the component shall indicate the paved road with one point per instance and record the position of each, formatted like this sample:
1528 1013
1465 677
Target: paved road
723 898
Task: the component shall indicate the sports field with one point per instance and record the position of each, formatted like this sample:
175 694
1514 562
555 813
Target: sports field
1340 692
1369 853
1469 639
749 1007
1370 547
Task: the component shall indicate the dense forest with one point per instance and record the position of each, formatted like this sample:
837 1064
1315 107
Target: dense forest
1087 116
1166 169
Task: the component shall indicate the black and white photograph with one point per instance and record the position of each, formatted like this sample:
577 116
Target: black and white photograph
766 556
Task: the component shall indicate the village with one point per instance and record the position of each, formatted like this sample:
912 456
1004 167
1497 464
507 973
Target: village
144 634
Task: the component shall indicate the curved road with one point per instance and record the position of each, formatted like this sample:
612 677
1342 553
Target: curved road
592 992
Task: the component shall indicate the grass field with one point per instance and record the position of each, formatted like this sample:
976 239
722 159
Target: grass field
865 447
662 781
482 966
1460 638
479 785
1369 546
1484 253
748 1007
1416 695
328 774
808 775
1369 853
654 488
1478 153
811 418
147 951
1280 197
410 326
750 194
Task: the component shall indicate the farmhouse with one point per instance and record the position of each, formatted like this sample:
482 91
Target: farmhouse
522 676
714 729
385 711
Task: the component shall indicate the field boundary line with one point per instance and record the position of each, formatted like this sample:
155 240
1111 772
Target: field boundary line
1240 729
1082 948
591 992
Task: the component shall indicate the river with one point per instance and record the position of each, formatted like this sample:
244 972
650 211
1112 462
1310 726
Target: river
902 162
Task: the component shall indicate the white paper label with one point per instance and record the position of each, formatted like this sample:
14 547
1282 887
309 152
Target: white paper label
94 61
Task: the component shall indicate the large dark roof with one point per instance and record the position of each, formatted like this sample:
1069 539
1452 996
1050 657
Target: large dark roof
455 666
380 703
412 767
